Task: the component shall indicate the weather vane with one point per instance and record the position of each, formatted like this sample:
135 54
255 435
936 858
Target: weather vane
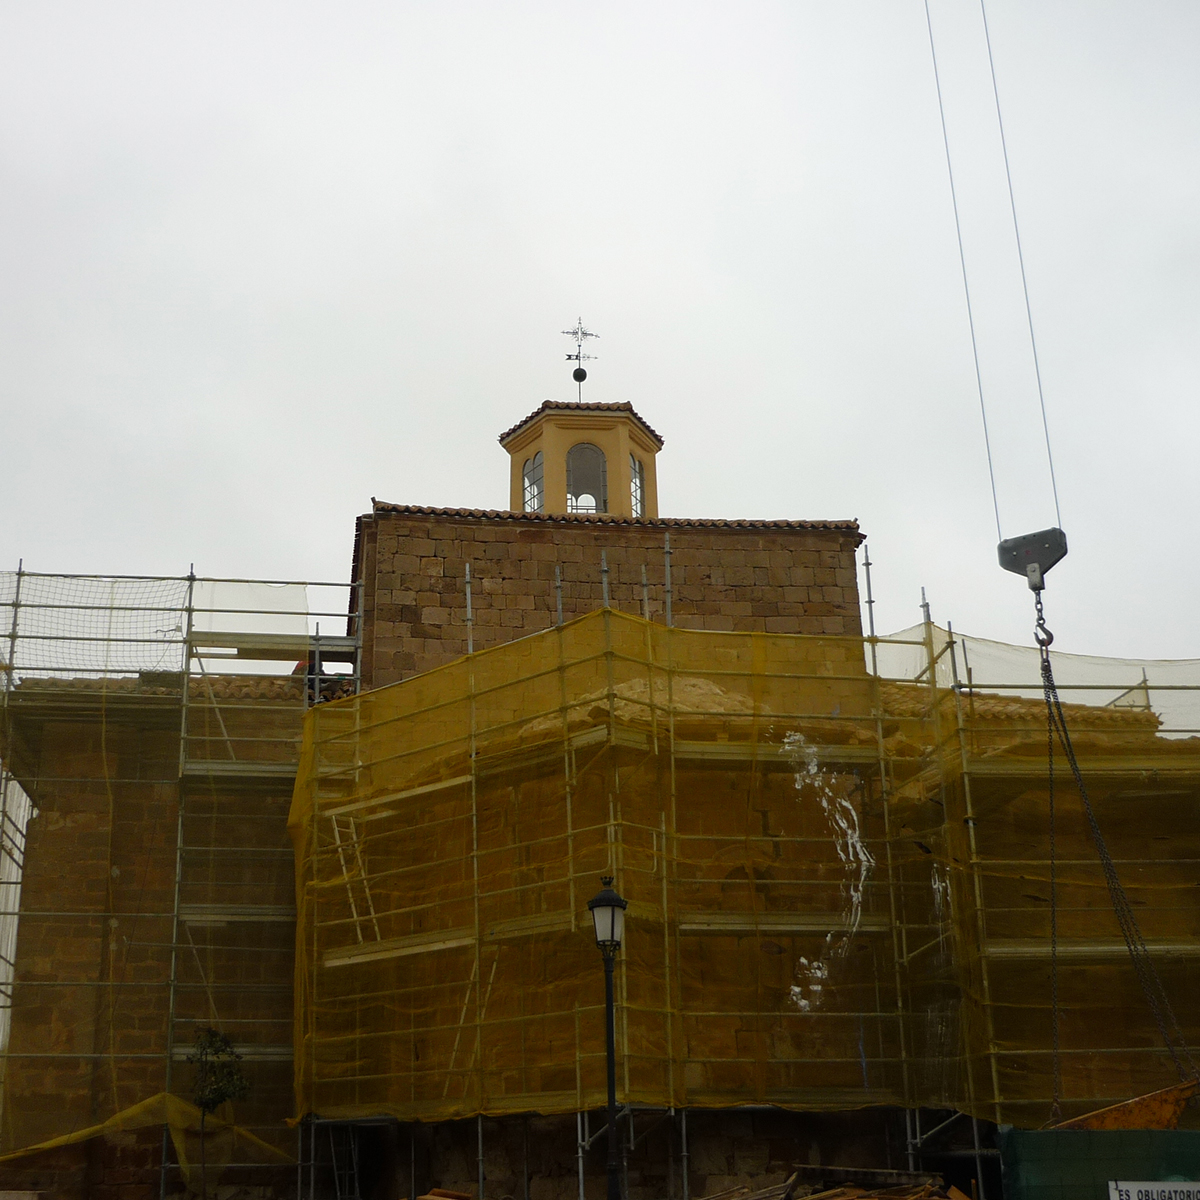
580 334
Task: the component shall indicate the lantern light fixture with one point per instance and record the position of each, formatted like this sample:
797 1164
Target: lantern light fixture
608 916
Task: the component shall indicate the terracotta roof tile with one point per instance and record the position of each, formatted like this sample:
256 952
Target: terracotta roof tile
227 687
912 700
381 506
585 406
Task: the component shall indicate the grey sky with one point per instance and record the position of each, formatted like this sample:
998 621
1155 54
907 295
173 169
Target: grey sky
260 262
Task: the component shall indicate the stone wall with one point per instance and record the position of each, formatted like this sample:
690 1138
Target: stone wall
90 1001
769 576
92 990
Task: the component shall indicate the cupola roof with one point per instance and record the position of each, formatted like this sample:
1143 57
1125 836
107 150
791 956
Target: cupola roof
569 406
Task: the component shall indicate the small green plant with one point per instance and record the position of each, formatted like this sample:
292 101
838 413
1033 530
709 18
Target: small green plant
219 1077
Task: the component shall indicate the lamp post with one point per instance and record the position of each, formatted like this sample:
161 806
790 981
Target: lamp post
608 915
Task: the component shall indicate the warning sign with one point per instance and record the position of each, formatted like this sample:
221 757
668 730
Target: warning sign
1120 1189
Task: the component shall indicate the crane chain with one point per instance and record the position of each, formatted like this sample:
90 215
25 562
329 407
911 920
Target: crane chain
1044 637
1139 953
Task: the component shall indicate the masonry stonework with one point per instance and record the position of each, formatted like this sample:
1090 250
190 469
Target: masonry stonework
741 576
91 1017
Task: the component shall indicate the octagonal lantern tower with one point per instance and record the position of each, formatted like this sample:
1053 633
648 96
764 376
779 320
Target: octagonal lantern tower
583 458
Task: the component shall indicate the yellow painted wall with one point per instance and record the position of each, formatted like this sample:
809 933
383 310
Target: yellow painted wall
554 432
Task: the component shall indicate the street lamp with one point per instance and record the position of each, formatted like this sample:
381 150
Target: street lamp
608 915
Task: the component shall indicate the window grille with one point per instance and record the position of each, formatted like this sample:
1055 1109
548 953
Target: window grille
535 492
637 486
587 479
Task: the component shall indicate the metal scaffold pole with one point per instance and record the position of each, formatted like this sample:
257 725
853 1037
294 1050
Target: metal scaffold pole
173 974
170 707
11 665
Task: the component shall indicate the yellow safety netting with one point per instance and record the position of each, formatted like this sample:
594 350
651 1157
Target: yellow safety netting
836 884
183 1123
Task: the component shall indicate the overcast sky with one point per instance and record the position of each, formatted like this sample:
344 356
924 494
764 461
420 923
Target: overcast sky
260 262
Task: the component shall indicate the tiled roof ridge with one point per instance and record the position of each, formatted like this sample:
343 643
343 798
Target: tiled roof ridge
240 687
903 698
382 506
584 406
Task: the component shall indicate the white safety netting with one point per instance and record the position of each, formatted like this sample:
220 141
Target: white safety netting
94 627
1168 687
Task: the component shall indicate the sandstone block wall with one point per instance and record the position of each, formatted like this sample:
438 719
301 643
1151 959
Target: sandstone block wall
769 576
90 999
91 1007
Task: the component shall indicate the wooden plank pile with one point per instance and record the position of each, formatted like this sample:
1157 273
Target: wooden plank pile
860 1184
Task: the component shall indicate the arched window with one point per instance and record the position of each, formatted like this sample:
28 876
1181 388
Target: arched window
535 493
587 479
637 486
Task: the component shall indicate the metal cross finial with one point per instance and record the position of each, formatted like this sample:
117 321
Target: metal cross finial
580 334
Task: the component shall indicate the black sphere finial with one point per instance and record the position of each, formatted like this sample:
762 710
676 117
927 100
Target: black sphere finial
579 335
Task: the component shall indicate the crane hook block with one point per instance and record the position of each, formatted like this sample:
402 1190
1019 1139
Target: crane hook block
1033 554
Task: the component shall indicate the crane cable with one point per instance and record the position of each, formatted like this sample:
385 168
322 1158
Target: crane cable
962 260
1056 724
1012 205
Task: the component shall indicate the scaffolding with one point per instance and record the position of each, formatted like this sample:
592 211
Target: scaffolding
834 848
153 725
837 879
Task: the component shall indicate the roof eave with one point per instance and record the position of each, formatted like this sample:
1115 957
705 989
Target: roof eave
569 406
845 528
